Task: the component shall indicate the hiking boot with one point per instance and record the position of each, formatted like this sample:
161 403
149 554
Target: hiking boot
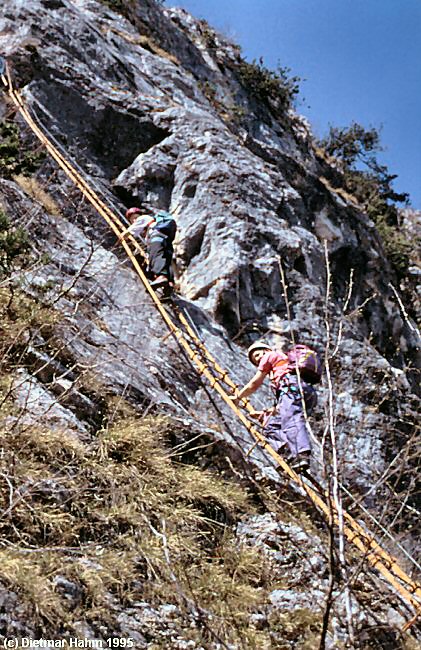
160 281
301 462
167 291
283 451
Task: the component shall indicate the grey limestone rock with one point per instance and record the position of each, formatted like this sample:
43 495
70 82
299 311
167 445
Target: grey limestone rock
144 105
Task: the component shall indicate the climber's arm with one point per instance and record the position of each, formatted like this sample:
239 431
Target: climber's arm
255 382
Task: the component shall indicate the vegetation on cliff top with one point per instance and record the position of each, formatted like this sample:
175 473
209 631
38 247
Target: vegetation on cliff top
356 149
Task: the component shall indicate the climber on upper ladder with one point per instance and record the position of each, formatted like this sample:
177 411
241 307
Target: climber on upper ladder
158 229
3 72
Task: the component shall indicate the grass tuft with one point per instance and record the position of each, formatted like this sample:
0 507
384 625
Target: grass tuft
32 187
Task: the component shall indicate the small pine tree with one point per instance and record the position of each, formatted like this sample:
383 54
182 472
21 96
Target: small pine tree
14 245
14 158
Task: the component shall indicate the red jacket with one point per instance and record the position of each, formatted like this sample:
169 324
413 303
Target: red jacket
275 364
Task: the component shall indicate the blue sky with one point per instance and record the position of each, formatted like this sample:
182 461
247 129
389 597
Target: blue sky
361 61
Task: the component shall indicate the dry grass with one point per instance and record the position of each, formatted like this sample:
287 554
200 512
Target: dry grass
32 582
90 529
20 315
33 188
299 628
147 43
346 196
120 521
126 523
410 644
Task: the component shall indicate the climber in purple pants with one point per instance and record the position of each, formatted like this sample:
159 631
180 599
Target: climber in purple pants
285 424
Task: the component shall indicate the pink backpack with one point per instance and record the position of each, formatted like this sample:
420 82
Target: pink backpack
308 363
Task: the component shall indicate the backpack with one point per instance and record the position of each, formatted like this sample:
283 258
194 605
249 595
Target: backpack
308 363
165 224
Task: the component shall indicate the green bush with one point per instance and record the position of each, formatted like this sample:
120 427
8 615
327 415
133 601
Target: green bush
14 159
270 86
397 247
351 144
14 245
208 34
371 183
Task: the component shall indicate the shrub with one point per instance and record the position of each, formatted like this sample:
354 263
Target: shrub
14 246
397 247
352 143
270 86
356 149
14 158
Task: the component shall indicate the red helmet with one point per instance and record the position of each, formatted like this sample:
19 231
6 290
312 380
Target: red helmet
132 211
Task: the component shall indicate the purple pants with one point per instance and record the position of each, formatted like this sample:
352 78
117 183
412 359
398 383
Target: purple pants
287 425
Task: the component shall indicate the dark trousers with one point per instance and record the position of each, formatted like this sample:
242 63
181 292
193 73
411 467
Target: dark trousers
160 252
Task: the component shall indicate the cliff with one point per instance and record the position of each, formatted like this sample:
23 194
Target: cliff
129 506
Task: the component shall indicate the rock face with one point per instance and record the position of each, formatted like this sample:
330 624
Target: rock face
154 109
